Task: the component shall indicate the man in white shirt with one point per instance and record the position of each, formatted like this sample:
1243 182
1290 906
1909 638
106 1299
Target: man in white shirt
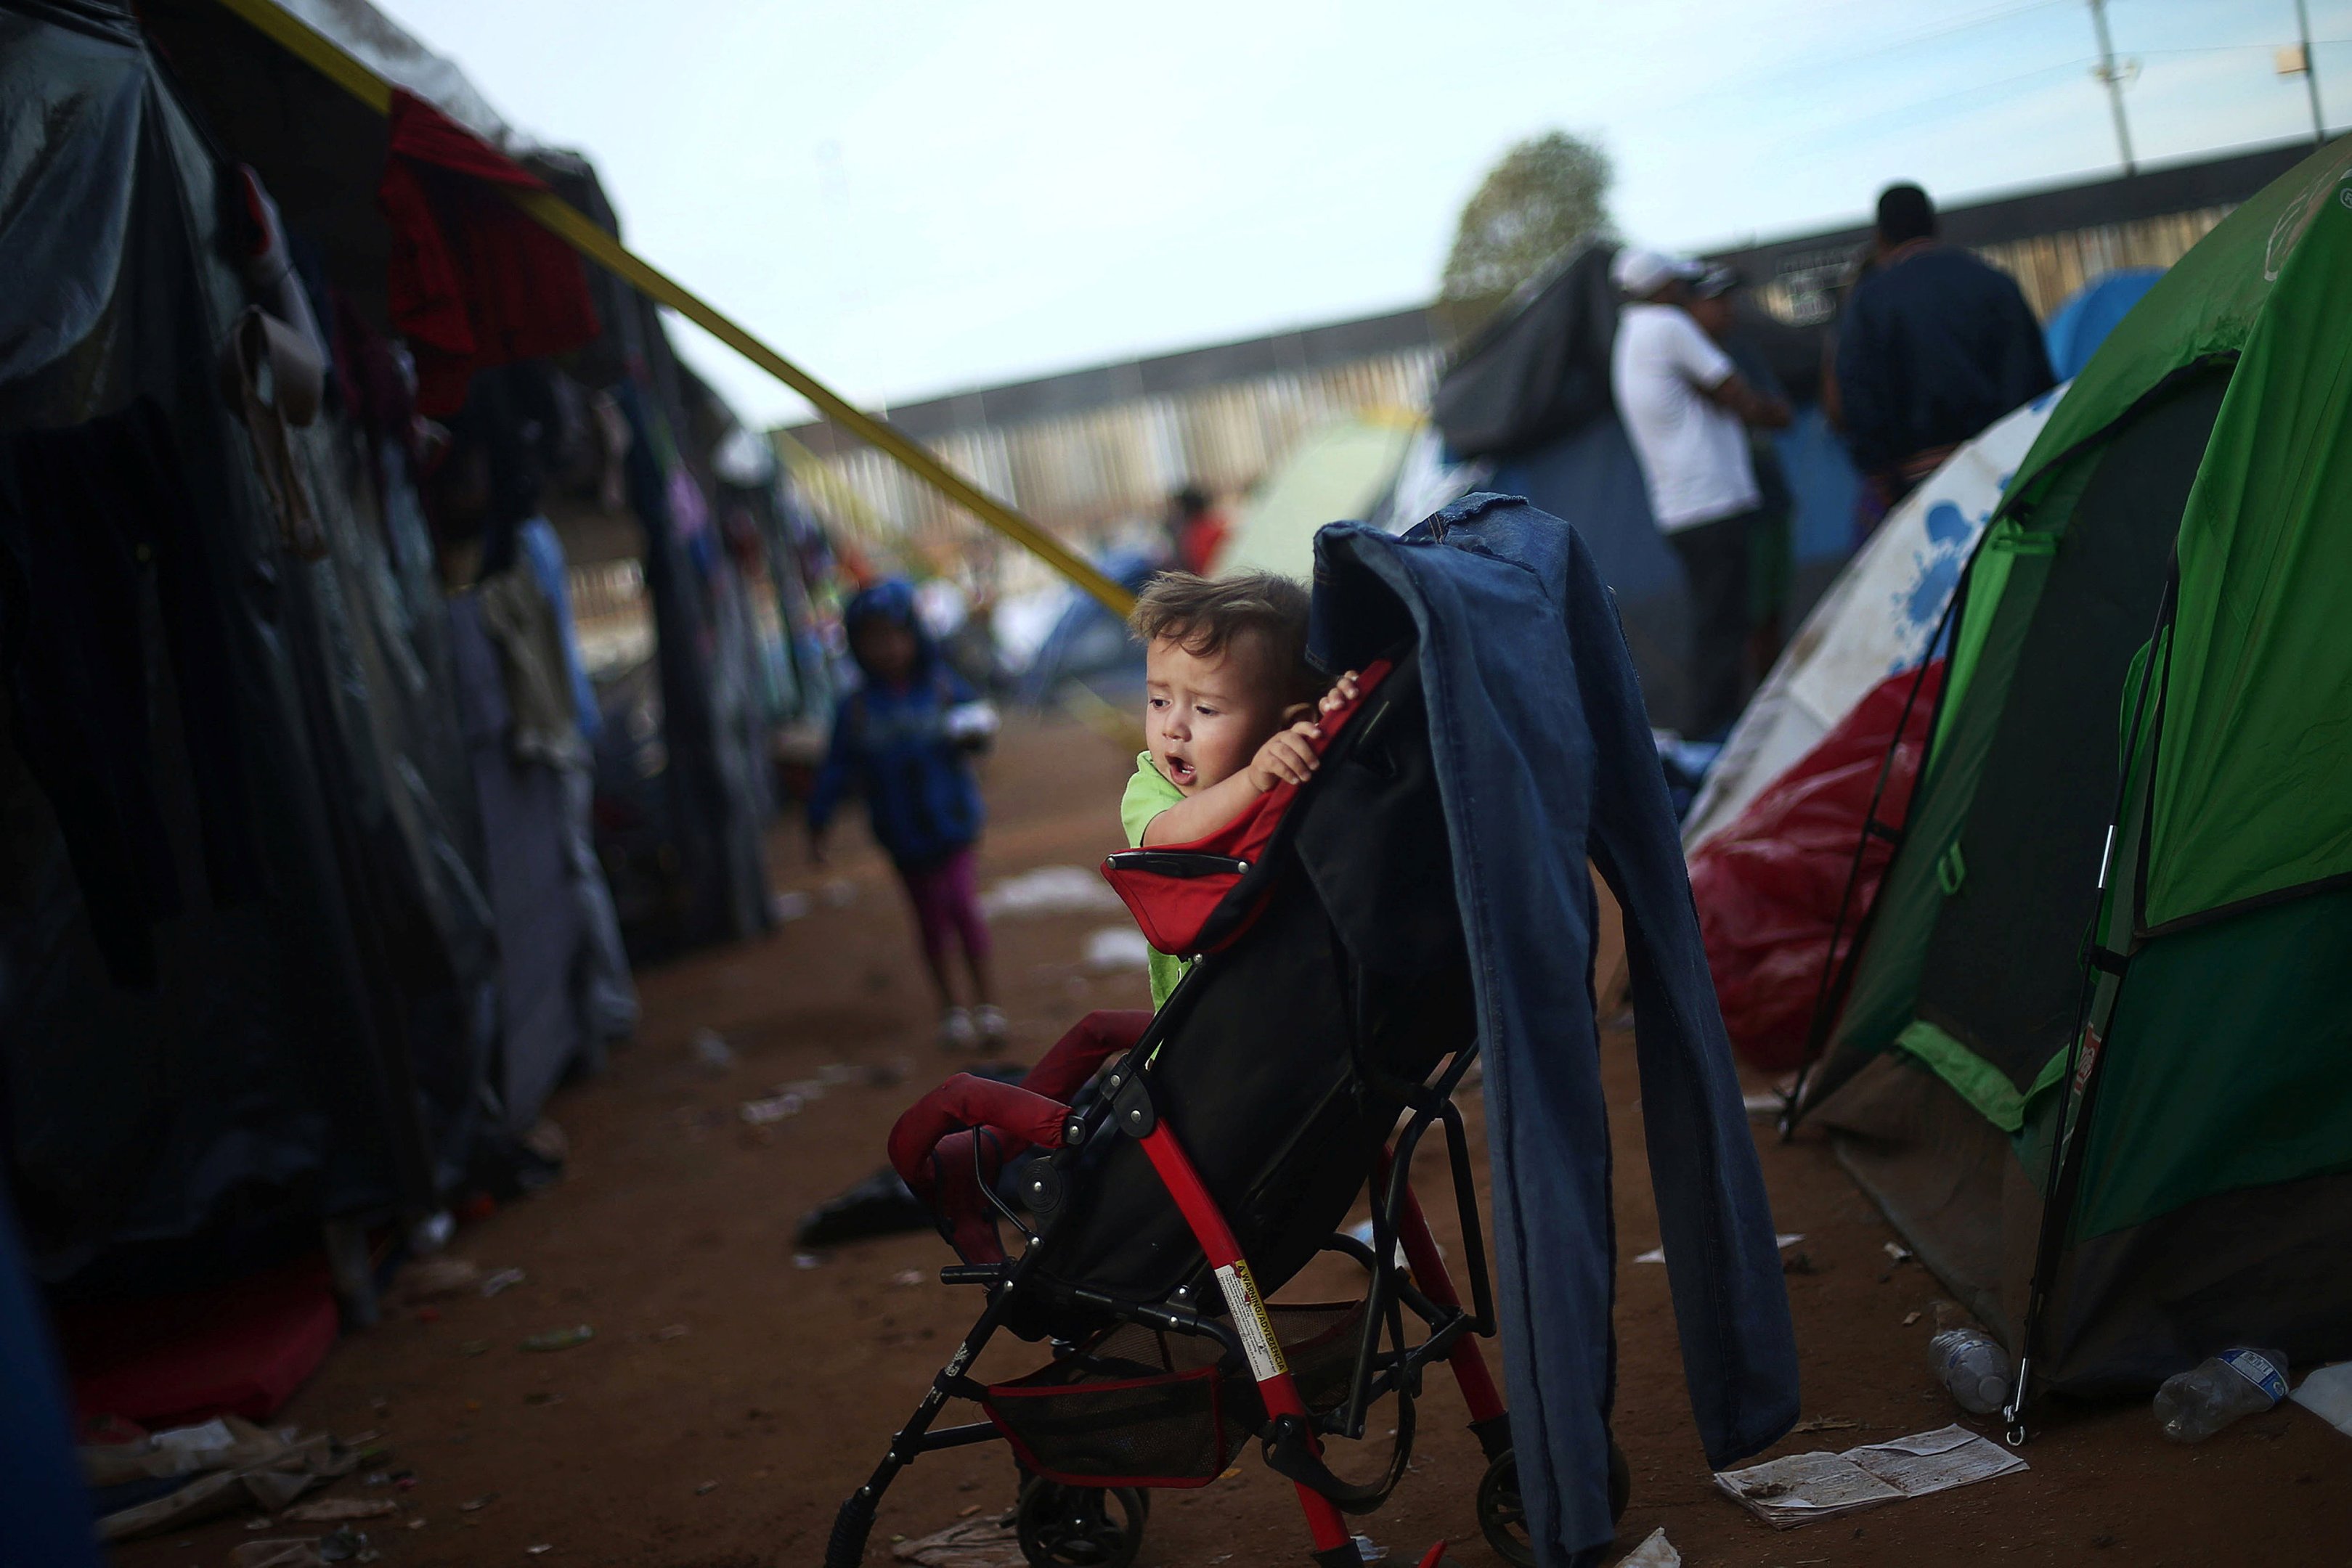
1684 408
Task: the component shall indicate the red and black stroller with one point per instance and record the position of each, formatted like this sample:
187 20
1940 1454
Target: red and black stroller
1198 1159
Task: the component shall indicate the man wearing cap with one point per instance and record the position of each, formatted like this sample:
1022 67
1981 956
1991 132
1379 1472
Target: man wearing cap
1935 344
1686 407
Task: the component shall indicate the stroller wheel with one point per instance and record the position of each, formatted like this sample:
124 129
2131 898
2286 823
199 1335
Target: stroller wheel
1503 1518
1081 1527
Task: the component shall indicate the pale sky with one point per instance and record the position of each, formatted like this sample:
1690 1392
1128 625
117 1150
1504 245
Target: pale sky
918 197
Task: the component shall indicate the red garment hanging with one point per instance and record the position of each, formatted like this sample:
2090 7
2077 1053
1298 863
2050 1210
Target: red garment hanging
474 282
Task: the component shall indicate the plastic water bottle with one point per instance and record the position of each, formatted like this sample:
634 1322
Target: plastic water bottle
2193 1406
1973 1367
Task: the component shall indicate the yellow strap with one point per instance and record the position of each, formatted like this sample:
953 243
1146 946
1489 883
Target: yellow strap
567 224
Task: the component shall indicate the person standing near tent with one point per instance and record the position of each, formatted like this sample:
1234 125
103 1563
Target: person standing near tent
1686 407
1713 306
1935 346
1197 531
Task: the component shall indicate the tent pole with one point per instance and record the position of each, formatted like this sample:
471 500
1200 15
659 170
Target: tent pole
574 228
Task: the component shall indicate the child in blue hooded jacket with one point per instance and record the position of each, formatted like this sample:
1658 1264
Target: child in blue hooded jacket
904 739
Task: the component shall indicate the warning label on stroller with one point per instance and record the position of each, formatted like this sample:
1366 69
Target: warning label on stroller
1250 1322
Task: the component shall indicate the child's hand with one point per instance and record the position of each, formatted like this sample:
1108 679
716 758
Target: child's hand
1287 758
1343 691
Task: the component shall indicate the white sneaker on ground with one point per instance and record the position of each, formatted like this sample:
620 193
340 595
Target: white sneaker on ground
956 1032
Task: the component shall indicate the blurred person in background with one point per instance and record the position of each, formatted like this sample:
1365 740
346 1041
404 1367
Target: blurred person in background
904 739
1934 346
1687 409
1715 306
1196 531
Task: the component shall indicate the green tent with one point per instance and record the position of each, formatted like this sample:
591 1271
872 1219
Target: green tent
1340 471
2122 905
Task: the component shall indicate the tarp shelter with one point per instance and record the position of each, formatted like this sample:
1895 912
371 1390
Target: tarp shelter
1338 473
1876 620
246 961
2077 327
2122 908
1528 395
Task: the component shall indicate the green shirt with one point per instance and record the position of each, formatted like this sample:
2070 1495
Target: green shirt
1148 793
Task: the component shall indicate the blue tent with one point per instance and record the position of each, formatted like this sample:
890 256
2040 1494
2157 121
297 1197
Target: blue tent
2083 323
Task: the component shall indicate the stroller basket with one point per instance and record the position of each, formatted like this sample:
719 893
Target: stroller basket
1134 1406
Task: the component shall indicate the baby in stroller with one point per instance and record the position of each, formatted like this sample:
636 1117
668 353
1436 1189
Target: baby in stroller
1220 1143
1229 710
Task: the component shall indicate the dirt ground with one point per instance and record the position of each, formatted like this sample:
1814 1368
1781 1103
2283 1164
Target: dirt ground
732 1394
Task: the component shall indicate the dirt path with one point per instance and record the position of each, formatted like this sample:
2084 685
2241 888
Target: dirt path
787 1380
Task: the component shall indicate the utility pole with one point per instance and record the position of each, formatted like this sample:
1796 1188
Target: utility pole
2106 71
2310 71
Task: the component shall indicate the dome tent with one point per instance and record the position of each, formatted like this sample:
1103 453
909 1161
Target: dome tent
2117 923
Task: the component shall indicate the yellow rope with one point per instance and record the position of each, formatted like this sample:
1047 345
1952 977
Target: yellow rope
567 224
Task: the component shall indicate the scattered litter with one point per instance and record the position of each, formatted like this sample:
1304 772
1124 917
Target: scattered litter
431 1279
335 1509
674 1331
1117 948
504 1279
774 1108
840 892
706 1488
1802 1487
1910 1317
559 1339
472 1505
548 1141
475 1347
541 1550
881 1205
1900 1254
1658 1254
988 1541
711 1051
807 1260
1655 1551
785 907
1369 1550
1825 1423
907 1277
1049 890
417 1523
2327 1394
1363 1231
345 1545
1971 1366
300 1552
1763 1106
222 1465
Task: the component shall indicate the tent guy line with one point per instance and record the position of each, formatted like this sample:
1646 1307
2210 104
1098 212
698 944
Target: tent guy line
559 218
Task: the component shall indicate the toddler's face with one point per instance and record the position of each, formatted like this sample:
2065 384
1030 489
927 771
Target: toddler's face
1206 717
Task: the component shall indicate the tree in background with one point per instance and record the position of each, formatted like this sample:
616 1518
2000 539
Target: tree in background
1545 194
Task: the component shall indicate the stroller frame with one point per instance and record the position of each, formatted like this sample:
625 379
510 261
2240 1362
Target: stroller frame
1290 1433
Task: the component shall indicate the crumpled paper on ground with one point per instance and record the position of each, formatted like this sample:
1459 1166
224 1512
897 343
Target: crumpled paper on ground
982 1543
233 1464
